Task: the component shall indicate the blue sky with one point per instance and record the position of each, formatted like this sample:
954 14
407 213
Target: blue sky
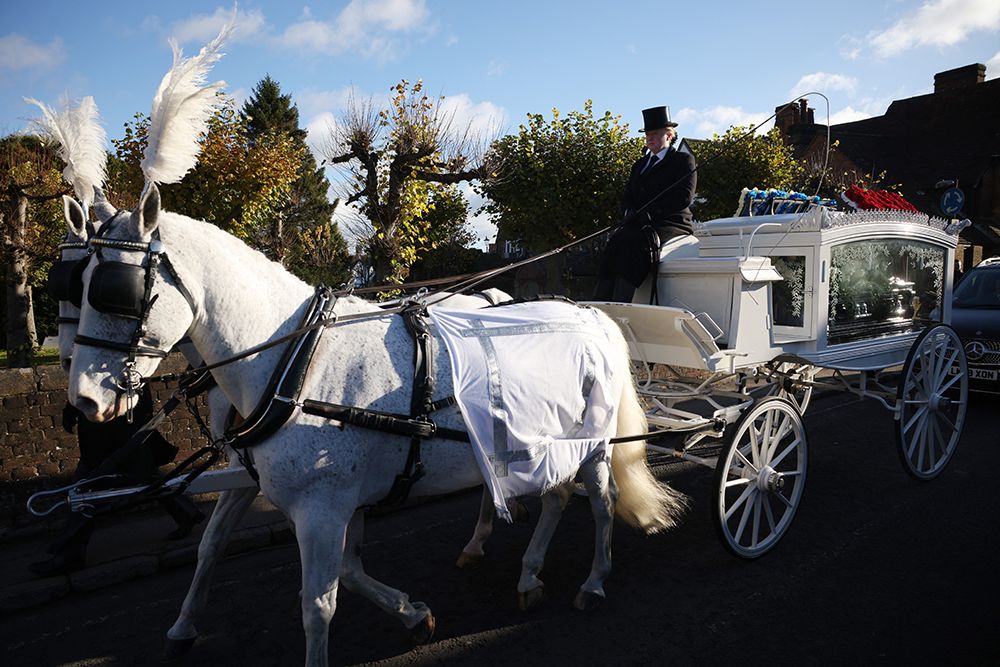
494 62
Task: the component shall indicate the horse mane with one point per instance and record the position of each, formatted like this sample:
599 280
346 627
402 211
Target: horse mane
81 140
182 107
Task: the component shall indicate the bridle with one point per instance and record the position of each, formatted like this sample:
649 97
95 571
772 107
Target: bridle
125 290
64 281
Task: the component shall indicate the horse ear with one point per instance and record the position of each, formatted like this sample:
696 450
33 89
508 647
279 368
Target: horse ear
105 211
76 219
149 209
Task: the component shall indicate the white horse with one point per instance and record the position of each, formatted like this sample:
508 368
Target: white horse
320 476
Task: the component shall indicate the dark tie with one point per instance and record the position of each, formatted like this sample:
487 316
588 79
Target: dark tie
649 165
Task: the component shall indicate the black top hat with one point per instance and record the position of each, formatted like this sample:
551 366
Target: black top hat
656 118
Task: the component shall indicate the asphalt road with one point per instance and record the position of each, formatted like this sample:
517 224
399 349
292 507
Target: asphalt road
877 569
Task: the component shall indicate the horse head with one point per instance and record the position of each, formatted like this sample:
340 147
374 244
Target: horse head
133 311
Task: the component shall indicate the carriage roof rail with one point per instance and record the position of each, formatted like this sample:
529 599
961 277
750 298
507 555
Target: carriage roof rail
990 261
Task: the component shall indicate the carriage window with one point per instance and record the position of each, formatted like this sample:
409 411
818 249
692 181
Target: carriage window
789 294
883 287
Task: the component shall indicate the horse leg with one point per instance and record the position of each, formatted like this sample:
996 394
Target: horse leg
472 553
415 616
530 589
230 508
321 532
603 494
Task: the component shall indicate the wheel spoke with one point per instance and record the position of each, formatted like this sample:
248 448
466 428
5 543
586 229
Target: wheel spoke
921 425
937 356
785 500
945 367
916 416
940 441
768 512
784 427
747 509
950 382
754 444
737 482
747 492
781 457
755 536
951 425
923 443
746 461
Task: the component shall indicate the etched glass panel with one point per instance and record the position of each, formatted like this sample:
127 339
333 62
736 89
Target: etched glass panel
788 295
882 287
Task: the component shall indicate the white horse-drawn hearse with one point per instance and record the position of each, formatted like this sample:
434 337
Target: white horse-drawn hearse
348 403
774 299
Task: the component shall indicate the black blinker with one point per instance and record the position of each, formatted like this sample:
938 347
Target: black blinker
65 281
117 288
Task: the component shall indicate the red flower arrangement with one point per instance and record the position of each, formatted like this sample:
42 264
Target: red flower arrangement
867 200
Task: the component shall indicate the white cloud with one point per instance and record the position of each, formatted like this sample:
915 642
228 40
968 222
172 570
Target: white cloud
17 52
937 23
204 27
846 115
993 67
823 82
452 40
312 102
240 96
484 229
363 25
703 123
318 133
483 119
496 68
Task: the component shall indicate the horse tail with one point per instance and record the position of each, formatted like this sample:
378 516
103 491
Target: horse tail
643 502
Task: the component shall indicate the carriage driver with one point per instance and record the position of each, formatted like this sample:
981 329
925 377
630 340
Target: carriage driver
655 206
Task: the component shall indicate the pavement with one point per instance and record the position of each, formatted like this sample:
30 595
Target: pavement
125 547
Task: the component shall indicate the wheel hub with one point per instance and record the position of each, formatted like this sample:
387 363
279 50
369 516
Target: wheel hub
771 480
938 402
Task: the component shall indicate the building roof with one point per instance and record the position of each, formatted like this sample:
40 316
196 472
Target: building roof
928 143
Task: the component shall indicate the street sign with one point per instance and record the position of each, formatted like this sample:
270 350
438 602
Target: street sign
952 201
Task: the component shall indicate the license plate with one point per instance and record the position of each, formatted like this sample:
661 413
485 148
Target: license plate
982 374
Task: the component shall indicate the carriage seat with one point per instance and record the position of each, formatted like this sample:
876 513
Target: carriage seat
673 248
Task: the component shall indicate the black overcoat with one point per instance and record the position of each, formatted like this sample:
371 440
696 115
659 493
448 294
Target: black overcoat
628 255
676 178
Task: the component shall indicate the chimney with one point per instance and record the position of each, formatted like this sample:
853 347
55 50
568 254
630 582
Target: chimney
785 118
959 78
805 113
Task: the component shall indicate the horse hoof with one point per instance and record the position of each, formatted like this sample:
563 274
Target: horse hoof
587 601
467 561
530 599
519 512
423 632
175 649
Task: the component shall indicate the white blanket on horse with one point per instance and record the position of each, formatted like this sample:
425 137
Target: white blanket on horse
537 390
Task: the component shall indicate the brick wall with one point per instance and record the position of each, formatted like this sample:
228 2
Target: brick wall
36 453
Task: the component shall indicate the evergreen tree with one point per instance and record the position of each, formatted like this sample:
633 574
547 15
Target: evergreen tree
309 210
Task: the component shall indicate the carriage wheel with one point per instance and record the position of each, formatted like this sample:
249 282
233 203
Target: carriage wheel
932 399
799 395
760 477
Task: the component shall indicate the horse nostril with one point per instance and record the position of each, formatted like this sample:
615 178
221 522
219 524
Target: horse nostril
87 406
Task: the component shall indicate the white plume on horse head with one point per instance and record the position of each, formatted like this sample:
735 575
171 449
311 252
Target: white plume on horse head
182 107
81 140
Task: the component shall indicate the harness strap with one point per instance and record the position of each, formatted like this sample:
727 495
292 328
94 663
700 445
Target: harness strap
421 400
281 396
141 350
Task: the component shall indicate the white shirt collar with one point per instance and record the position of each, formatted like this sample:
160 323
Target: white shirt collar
659 155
